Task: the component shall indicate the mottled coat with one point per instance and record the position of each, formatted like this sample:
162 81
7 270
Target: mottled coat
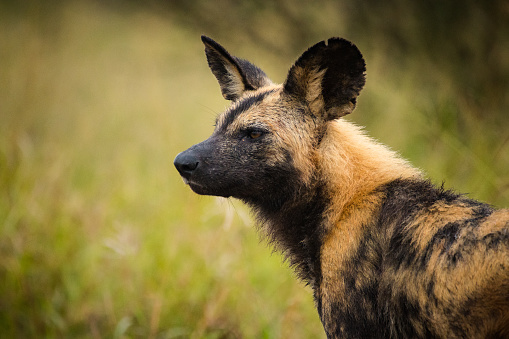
388 254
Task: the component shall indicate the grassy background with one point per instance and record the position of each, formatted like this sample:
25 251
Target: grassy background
99 236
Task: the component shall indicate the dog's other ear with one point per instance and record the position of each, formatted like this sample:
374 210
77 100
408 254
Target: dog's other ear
235 75
328 77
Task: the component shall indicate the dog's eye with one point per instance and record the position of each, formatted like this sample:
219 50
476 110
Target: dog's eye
252 134
255 134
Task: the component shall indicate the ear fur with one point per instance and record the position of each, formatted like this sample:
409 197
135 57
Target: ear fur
235 75
328 77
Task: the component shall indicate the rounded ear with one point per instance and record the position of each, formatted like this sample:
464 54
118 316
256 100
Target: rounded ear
235 75
328 77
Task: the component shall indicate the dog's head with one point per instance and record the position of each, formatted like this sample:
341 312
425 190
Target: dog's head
263 145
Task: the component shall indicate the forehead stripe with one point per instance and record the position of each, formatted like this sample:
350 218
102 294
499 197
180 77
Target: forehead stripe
242 106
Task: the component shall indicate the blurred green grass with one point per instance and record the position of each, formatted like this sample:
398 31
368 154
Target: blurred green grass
99 236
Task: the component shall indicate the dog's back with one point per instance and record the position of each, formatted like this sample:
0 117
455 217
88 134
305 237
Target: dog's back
430 263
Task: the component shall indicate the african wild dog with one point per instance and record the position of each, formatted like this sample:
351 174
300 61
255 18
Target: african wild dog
388 254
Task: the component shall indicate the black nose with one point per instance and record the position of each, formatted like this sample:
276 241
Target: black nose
186 163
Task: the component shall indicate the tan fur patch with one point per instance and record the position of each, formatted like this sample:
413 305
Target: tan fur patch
430 220
235 83
342 240
246 94
497 221
314 92
354 166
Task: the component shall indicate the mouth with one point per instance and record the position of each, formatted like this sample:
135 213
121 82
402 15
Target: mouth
201 189
193 185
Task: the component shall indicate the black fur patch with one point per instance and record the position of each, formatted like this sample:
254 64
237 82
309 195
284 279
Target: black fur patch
295 227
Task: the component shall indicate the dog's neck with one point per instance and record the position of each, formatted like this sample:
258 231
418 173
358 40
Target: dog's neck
352 166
